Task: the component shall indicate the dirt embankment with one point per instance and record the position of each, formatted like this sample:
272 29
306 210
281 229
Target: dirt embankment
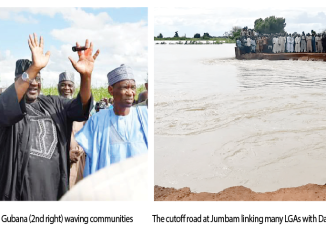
309 192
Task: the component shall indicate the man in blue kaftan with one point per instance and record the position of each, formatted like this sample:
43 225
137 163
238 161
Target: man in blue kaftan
117 133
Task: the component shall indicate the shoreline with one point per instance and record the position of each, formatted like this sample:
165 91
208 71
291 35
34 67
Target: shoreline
308 192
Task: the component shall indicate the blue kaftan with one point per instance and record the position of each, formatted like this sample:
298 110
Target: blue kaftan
107 138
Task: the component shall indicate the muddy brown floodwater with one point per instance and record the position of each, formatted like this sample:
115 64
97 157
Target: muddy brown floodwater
222 122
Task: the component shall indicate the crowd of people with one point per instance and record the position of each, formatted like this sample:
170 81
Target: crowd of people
253 42
49 143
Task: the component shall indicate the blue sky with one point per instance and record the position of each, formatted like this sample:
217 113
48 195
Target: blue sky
119 33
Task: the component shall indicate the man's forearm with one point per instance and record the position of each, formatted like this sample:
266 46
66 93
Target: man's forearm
85 89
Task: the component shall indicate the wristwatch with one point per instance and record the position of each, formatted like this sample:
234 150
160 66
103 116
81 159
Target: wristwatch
26 78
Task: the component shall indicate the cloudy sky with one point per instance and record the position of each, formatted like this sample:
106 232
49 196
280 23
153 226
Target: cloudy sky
119 33
217 21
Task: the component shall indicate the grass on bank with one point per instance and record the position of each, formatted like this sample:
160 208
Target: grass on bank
98 93
215 39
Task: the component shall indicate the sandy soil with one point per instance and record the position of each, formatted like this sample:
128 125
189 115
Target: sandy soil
309 192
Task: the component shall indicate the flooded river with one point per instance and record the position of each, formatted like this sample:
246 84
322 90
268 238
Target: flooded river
222 122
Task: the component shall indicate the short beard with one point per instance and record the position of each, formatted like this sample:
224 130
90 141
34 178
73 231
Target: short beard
30 100
68 96
65 96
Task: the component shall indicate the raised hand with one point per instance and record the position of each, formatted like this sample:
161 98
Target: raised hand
39 59
85 64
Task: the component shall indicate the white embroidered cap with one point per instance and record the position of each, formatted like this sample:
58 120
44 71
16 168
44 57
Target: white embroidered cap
66 76
121 73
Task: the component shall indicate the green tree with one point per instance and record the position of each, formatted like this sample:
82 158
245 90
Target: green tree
235 32
160 36
176 34
270 25
206 35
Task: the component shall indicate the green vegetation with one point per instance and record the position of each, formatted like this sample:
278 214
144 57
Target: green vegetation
171 38
98 93
270 25
206 36
217 39
235 32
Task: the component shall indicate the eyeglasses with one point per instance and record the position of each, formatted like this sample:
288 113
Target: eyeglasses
37 79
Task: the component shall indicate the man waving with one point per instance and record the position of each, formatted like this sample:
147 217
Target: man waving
35 130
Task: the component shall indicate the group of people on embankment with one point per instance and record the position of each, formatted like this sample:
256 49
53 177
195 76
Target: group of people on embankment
282 43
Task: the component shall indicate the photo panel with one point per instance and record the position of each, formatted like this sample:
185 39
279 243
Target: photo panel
73 104
239 103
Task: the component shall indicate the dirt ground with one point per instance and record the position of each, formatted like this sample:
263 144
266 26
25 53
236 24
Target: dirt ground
309 192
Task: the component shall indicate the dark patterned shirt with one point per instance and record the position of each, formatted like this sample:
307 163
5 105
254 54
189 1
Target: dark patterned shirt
43 170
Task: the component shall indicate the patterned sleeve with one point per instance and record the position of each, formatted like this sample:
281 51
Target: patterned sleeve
11 110
74 108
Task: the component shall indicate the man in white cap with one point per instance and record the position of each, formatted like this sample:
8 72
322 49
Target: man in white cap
66 85
35 130
117 133
66 89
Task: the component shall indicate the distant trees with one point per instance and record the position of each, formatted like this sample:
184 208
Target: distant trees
160 36
270 25
206 36
176 34
235 32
